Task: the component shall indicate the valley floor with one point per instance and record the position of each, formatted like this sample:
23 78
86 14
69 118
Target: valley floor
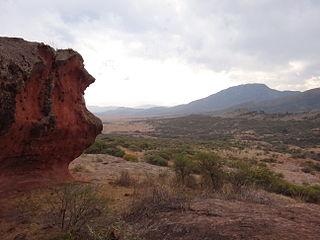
133 166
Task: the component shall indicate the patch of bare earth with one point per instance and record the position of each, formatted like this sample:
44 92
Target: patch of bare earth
105 168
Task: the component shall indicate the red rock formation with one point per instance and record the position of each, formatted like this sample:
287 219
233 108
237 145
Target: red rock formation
44 123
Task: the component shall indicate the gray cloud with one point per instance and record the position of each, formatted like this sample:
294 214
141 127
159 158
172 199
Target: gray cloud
251 36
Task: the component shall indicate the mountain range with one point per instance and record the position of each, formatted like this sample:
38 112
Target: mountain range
253 97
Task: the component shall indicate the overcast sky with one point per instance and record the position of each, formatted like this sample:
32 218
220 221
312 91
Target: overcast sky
168 52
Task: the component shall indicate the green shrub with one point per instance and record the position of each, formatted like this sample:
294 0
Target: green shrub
210 166
164 155
131 158
183 167
100 146
97 147
308 194
248 173
113 151
155 159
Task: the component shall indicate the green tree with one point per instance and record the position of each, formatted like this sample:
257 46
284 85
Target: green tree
183 167
210 166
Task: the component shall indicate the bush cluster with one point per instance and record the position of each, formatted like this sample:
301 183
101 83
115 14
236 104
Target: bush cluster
101 147
156 158
216 172
131 157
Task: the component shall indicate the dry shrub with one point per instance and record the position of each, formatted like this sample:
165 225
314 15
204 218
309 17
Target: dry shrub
125 180
248 194
66 210
72 206
157 194
78 168
29 207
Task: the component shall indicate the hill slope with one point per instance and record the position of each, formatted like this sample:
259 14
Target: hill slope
301 102
230 97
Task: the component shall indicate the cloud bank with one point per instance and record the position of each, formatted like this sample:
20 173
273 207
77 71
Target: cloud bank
174 51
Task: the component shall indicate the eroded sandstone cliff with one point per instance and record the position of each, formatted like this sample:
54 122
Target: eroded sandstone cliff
44 123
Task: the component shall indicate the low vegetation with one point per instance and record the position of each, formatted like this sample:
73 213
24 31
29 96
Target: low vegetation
183 167
198 165
125 180
205 157
71 211
154 195
267 128
310 167
103 147
82 211
131 157
156 158
75 211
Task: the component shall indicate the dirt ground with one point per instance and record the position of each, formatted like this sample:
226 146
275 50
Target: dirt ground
259 215
255 215
210 217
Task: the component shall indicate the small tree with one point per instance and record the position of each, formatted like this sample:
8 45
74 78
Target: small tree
210 166
183 167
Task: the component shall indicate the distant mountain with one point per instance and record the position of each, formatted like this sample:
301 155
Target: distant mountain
230 97
119 111
97 109
301 102
124 111
248 96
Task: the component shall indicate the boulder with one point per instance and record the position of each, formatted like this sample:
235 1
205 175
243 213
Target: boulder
44 123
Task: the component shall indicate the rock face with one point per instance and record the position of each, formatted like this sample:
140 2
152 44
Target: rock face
44 123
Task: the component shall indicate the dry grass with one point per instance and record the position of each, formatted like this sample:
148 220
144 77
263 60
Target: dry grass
251 195
157 194
78 168
60 212
125 180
